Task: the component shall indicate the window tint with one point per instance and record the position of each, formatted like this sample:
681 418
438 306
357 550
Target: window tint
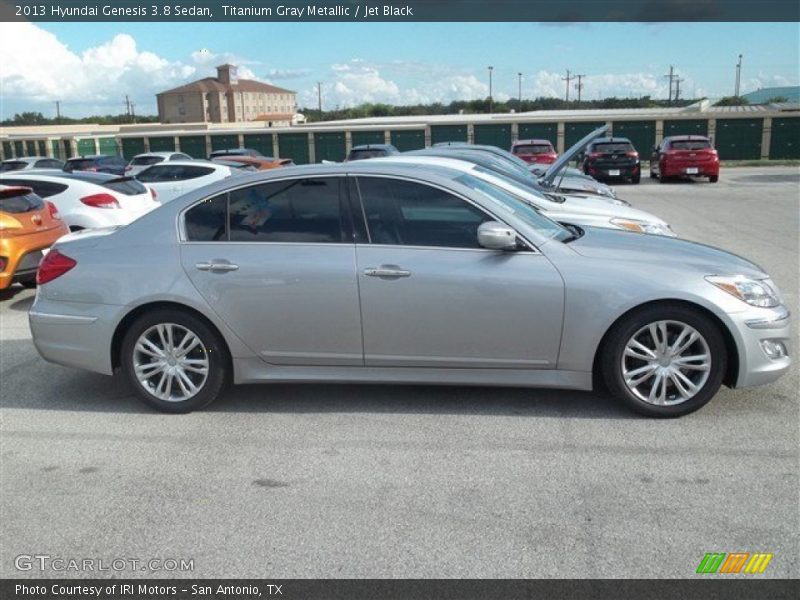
21 203
180 156
533 149
43 189
613 147
364 154
168 172
143 161
690 145
48 163
411 214
207 221
125 185
12 165
299 210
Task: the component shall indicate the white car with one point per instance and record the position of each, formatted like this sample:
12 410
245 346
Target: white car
25 163
564 208
88 200
171 179
141 161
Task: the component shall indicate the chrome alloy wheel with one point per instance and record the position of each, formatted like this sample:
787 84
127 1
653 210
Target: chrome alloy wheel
666 363
170 362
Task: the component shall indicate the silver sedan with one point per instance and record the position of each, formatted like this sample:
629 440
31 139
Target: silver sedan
366 272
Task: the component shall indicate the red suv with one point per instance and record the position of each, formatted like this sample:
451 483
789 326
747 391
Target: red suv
684 156
534 151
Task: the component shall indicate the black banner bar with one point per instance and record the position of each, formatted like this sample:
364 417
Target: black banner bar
400 11
733 588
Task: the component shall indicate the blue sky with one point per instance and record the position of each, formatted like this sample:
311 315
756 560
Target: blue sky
90 68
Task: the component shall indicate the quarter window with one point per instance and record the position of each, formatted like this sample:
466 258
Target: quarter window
207 221
412 214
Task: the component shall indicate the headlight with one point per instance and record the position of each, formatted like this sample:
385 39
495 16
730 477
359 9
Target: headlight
751 291
643 227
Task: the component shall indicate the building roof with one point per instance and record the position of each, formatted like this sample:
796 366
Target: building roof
212 84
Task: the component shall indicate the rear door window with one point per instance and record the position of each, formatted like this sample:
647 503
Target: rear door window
12 166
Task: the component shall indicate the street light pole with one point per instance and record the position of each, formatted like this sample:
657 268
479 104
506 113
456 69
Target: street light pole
491 101
738 75
519 75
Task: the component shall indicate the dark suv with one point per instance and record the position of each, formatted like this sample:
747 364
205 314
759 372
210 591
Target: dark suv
99 163
612 158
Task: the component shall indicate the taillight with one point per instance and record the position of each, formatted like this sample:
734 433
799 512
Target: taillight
100 201
595 155
53 265
154 194
53 210
632 154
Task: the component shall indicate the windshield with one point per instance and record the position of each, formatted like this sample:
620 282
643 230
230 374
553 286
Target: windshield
507 203
516 185
143 161
690 145
613 147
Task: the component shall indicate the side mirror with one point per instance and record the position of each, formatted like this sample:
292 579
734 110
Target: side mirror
496 236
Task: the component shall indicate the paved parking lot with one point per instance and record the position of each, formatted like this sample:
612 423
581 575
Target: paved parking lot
368 481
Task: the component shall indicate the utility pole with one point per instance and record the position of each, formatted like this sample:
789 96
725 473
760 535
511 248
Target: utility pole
127 106
133 112
738 75
58 110
671 77
319 98
491 100
678 87
519 76
568 78
579 86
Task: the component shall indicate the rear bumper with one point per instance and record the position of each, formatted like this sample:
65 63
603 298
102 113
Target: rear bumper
681 169
612 171
74 334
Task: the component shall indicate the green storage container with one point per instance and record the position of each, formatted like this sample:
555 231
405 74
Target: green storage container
573 132
131 147
19 148
408 139
7 150
739 139
41 147
539 131
785 138
330 146
294 146
86 147
359 138
193 145
685 127
224 142
493 135
449 133
67 145
108 145
642 135
57 149
30 147
162 144
262 142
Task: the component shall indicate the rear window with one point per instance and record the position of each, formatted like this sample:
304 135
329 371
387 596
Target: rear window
20 204
613 147
48 163
80 164
127 186
12 166
362 154
144 161
533 149
690 145
171 172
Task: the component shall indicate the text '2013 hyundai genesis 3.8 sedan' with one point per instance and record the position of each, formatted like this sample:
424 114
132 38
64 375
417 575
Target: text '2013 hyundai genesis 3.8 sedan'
394 273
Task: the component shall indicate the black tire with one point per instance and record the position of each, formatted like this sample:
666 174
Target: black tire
29 281
614 347
212 346
636 178
652 174
713 179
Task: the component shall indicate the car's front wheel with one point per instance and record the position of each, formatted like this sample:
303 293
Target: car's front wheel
665 361
174 361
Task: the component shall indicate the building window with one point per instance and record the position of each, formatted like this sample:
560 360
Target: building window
180 98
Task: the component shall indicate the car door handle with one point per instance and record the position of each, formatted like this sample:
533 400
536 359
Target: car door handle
387 272
216 266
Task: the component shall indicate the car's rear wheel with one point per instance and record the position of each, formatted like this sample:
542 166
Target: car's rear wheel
665 361
714 178
636 178
174 361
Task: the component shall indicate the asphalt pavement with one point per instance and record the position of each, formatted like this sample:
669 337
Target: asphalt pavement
306 481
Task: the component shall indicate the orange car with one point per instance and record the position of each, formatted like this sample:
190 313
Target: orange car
28 225
261 163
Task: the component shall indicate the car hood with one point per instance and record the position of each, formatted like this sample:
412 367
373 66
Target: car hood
597 206
615 245
571 153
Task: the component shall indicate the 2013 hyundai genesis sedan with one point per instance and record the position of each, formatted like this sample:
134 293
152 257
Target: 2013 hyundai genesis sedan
365 272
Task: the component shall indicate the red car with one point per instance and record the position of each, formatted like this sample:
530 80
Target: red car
534 151
684 156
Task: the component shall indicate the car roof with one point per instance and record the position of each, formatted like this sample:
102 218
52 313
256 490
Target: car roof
373 147
610 140
532 141
164 154
94 156
26 159
186 163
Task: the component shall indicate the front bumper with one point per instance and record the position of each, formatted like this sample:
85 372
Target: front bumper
752 330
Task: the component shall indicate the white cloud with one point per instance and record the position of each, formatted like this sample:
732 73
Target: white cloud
623 85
